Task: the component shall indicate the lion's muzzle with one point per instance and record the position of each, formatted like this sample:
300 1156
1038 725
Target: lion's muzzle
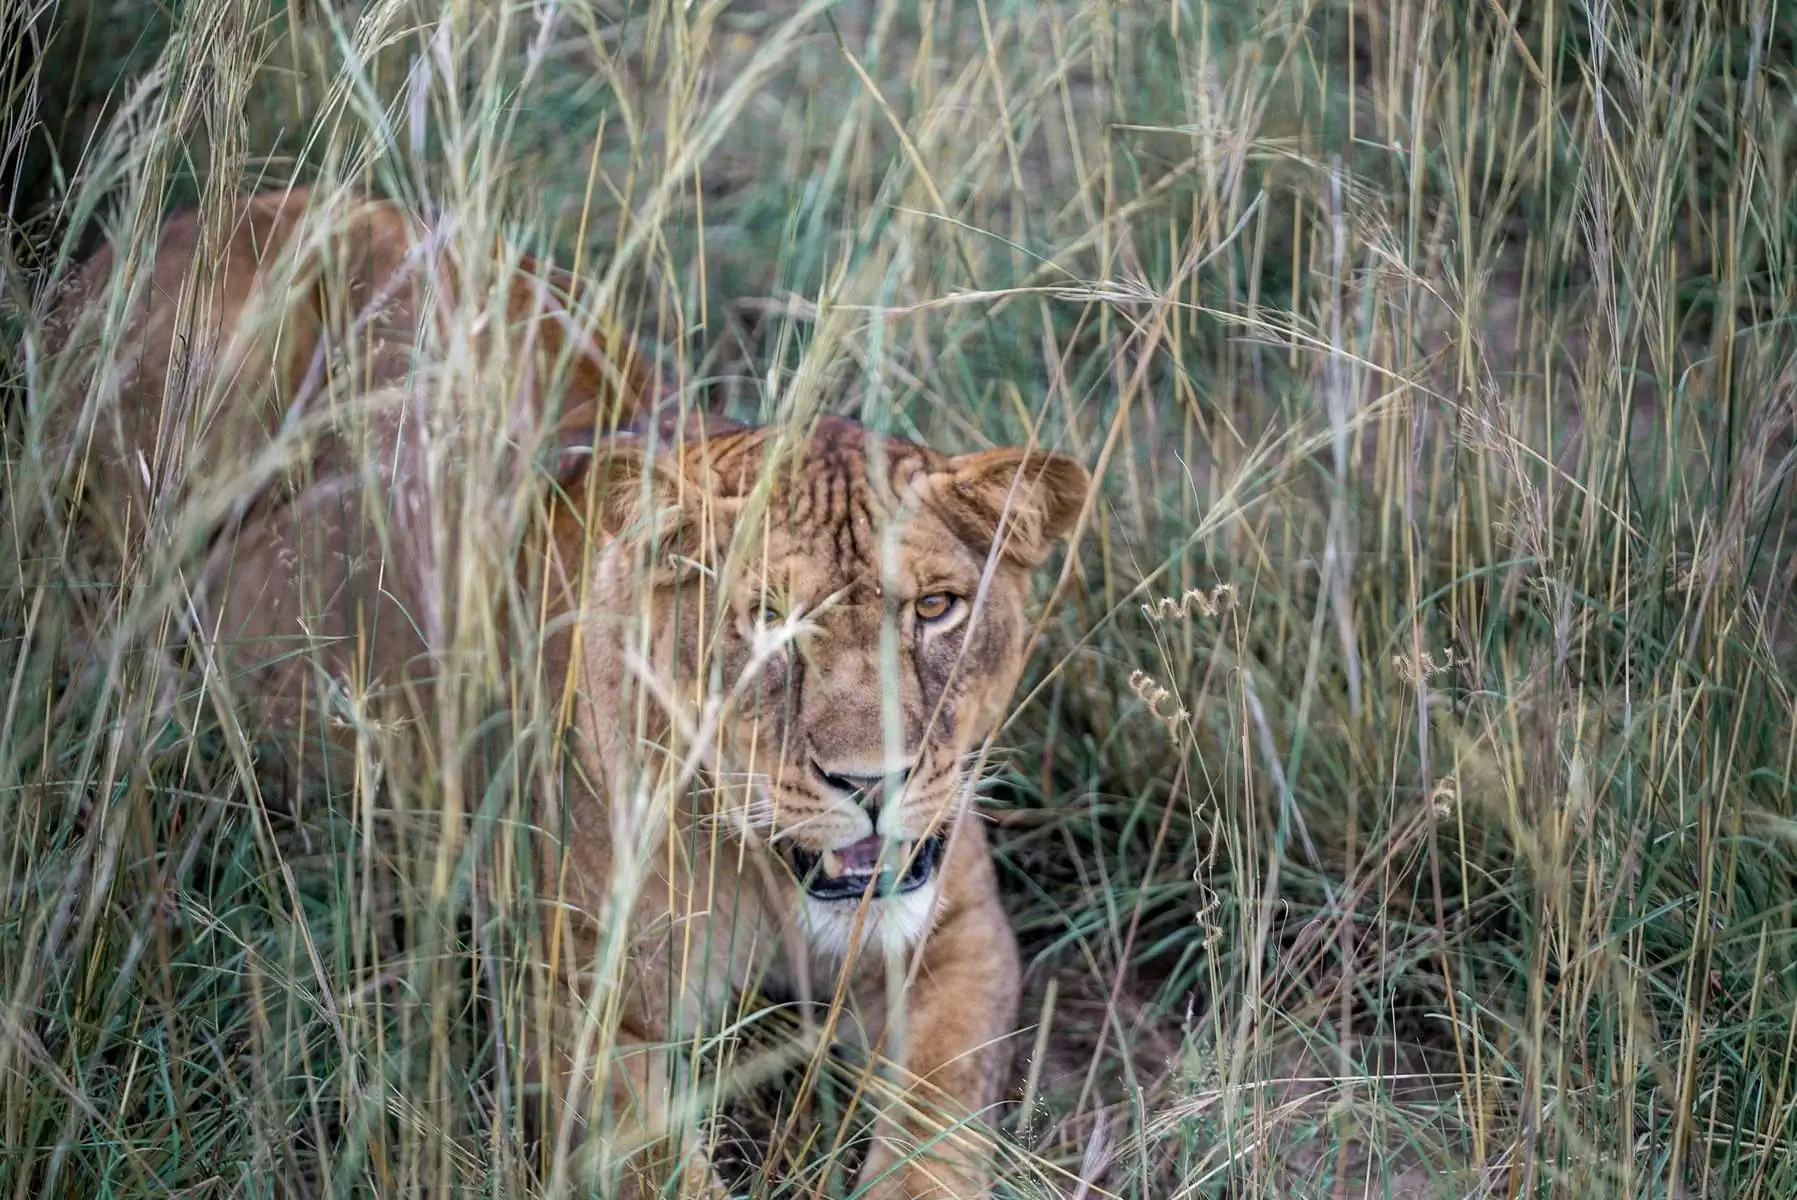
846 873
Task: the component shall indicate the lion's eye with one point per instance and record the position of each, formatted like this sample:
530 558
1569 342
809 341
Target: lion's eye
936 606
767 612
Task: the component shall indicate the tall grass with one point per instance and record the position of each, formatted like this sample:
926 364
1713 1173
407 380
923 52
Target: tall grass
1447 850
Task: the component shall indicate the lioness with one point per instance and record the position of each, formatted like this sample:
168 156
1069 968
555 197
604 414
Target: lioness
838 758
817 625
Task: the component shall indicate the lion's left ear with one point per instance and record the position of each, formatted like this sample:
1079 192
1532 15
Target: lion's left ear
1037 493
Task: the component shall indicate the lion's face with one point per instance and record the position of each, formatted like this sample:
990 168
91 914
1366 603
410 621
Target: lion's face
863 635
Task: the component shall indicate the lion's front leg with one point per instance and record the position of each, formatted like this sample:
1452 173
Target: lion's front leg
620 1112
930 1141
629 1103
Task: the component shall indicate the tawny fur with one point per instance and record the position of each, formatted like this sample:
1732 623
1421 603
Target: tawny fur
281 348
760 613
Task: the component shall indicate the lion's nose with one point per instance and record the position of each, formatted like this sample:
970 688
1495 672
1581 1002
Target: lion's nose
866 784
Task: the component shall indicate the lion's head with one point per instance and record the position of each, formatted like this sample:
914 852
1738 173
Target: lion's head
860 602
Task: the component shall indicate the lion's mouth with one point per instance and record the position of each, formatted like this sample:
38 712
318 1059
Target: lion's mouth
846 872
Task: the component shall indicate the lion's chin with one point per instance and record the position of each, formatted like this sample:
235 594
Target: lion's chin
838 930
868 895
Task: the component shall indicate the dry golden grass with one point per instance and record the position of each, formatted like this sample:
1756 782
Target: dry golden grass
1451 856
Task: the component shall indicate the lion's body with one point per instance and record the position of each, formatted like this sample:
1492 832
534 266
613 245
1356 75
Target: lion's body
721 907
779 650
279 363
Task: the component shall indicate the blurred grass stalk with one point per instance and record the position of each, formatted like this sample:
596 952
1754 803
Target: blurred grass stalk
1450 856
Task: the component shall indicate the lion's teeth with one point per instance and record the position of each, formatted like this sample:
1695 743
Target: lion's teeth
832 864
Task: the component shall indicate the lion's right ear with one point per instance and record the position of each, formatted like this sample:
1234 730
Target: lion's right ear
606 383
631 490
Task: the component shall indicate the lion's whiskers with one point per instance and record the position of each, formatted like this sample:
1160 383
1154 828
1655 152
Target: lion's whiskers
746 807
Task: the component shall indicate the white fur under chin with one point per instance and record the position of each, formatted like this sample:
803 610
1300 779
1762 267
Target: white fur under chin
829 924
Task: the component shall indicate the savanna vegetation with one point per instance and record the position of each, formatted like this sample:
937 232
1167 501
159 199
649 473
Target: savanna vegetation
1401 799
